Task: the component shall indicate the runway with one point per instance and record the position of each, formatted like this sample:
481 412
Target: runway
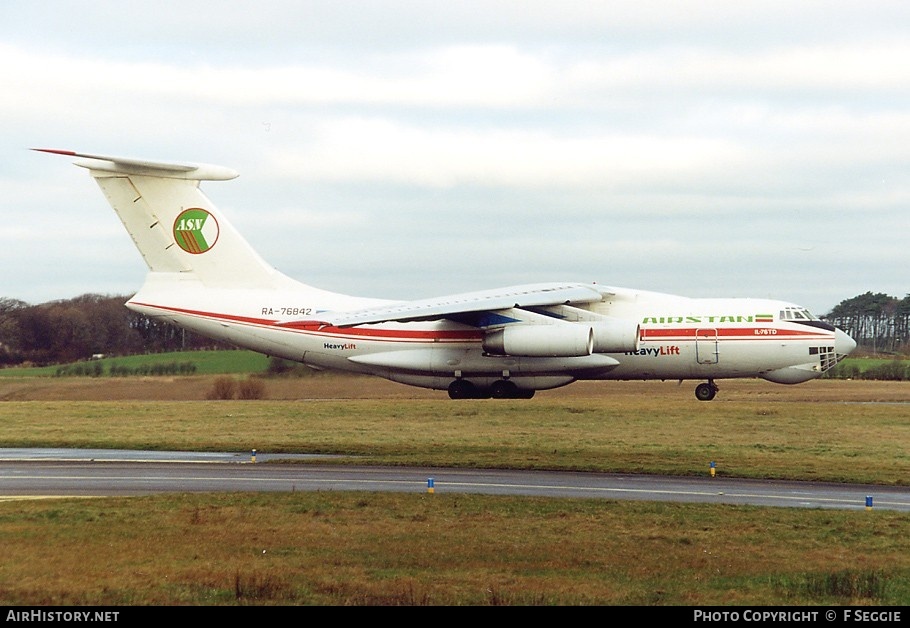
50 473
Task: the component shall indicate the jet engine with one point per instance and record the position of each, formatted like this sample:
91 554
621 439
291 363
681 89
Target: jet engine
541 341
615 336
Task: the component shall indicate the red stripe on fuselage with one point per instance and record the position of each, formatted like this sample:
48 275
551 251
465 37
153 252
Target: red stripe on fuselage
324 329
740 333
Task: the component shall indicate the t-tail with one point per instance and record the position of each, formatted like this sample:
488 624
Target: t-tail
176 228
203 275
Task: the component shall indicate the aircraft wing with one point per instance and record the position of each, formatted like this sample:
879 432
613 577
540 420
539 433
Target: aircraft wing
524 296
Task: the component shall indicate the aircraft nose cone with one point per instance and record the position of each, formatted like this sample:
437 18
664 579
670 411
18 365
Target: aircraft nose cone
843 344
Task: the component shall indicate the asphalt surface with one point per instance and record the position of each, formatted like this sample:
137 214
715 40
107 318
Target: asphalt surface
49 473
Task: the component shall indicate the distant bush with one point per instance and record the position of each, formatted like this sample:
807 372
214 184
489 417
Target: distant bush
229 388
96 369
168 368
222 388
890 370
251 389
81 369
843 370
279 367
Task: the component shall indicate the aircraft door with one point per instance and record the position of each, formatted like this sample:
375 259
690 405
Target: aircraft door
706 348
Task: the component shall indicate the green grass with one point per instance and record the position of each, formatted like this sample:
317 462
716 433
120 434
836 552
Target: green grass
347 549
361 548
657 433
206 363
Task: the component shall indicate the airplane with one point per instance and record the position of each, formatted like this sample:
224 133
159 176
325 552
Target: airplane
504 343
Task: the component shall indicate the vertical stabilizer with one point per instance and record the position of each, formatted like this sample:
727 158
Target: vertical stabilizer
176 228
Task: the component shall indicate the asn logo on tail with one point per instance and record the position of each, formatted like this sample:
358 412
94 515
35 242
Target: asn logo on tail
195 230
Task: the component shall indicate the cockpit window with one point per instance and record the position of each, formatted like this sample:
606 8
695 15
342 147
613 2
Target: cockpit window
796 314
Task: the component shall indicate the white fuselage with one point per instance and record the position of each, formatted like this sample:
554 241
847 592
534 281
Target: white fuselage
678 338
502 343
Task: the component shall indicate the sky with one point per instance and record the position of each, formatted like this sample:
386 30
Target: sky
412 149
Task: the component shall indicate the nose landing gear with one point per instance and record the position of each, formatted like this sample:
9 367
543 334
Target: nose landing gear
706 391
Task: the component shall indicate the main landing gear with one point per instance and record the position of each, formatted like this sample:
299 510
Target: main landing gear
500 389
706 391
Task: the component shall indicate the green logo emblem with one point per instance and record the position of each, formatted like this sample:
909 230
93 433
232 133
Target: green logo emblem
195 230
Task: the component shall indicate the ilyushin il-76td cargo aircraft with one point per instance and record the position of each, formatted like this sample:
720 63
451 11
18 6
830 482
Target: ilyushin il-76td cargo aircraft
505 343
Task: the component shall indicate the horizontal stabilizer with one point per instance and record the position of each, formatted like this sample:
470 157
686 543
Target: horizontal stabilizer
125 165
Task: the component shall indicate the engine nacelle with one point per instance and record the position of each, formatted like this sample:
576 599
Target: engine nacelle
541 341
615 336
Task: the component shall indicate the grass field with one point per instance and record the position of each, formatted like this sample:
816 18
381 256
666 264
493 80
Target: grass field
203 362
383 549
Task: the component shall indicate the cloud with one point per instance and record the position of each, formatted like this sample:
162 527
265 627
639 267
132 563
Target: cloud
417 147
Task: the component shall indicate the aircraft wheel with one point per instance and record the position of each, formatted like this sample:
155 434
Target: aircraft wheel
504 389
706 391
462 389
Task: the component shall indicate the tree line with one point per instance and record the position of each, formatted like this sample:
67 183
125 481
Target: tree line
59 332
879 323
